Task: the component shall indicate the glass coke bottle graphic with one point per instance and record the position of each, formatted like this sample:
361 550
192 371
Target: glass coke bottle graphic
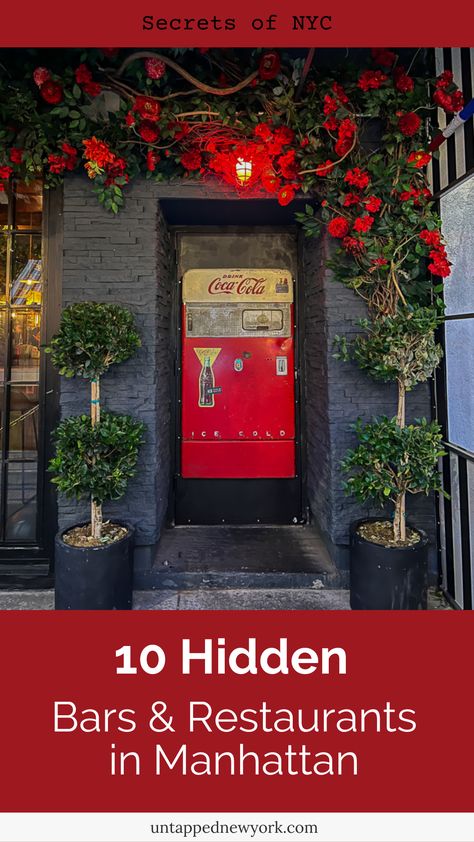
206 382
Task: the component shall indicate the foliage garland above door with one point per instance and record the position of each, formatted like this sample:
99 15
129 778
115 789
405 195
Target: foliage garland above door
352 138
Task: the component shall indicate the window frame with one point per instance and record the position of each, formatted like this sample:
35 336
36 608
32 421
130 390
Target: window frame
34 560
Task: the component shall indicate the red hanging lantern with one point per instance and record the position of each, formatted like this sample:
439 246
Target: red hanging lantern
270 64
243 171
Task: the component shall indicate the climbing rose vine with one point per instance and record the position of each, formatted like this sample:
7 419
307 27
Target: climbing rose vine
353 141
194 113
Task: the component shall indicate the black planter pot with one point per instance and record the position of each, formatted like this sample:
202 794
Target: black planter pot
98 578
387 578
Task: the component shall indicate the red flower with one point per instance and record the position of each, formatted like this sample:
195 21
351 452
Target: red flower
5 172
181 129
409 124
83 74
263 131
347 128
443 100
97 151
450 103
130 119
363 223
445 79
380 261
147 108
269 66
357 178
330 105
151 160
457 101
155 68
331 124
407 195
71 155
440 267
16 155
370 80
57 163
373 204
382 56
51 92
270 182
148 131
284 135
419 159
115 169
325 168
340 93
440 264
353 245
343 146
403 83
346 132
92 88
41 75
431 238
191 160
286 195
425 194
351 199
338 227
288 165
304 142
66 161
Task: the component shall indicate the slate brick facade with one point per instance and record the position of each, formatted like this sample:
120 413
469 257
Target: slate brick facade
125 259
338 393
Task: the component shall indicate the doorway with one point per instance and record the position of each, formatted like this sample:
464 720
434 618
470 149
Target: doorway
238 456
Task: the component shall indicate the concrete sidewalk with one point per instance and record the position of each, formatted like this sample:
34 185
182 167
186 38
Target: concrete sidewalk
303 599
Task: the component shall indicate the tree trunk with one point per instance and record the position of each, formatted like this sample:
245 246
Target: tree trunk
399 525
401 404
96 508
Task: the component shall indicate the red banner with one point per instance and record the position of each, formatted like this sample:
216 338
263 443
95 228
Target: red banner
171 711
277 24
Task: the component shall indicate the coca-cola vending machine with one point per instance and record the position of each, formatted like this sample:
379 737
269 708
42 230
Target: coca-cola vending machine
238 374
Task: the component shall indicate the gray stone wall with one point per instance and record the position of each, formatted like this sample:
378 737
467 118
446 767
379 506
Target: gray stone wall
337 394
125 259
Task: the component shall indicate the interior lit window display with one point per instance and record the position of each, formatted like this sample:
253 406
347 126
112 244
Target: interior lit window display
20 342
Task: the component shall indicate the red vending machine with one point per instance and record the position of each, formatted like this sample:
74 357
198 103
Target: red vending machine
238 374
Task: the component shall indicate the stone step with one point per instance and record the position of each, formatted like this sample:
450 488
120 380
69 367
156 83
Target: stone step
200 600
242 558
167 599
192 580
276 599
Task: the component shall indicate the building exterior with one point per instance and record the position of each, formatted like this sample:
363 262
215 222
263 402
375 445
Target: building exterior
139 259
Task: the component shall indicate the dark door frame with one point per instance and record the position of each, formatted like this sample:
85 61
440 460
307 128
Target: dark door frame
33 566
175 387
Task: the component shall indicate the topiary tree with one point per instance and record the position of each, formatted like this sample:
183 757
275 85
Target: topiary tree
391 461
401 348
96 454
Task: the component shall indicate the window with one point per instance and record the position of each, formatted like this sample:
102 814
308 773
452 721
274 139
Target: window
20 342
457 411
457 212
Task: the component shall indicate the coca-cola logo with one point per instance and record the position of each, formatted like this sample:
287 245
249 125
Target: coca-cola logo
244 286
